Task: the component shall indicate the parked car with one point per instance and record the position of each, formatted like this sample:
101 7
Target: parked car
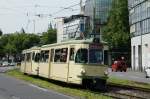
147 71
119 66
1 63
5 63
12 64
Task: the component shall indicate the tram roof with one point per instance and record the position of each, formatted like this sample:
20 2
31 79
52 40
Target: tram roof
87 41
32 48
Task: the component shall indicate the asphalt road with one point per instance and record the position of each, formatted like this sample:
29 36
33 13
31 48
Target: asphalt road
4 69
11 88
130 75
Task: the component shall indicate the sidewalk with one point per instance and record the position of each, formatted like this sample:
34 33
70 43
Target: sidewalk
130 75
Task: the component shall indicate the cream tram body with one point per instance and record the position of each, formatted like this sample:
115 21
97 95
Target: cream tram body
78 62
30 61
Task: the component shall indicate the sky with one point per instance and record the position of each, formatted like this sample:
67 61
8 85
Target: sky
17 14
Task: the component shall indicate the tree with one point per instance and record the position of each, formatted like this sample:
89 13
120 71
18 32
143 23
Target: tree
116 32
13 44
1 33
49 37
9 49
50 26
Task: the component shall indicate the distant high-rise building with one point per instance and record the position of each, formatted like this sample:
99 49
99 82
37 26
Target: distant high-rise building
98 12
139 15
93 16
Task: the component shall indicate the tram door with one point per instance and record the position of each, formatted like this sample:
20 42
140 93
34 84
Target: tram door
35 63
59 68
23 62
44 64
28 67
74 69
51 62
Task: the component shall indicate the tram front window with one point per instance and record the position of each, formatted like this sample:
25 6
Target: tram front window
95 56
81 56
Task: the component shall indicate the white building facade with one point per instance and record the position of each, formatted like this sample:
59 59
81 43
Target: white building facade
139 15
59 26
70 28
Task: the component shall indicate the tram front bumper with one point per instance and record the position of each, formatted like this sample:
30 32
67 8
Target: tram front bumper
94 82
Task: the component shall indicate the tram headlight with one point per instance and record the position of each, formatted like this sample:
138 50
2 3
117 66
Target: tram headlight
83 72
106 73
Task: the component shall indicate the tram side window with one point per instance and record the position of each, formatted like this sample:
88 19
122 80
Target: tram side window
28 57
37 57
33 55
44 56
23 57
61 55
72 54
81 56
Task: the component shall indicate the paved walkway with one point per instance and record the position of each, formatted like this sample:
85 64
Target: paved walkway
11 88
130 75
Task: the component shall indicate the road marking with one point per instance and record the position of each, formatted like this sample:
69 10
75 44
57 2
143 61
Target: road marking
14 97
46 90
43 89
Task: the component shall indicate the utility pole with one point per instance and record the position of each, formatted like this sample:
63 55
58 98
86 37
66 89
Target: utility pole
34 20
81 8
34 25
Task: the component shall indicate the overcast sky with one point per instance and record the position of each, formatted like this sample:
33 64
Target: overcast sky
15 14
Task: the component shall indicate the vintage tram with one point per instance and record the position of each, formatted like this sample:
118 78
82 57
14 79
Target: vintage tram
77 62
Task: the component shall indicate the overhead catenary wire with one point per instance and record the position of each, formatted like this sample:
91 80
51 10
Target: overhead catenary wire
25 11
15 9
65 8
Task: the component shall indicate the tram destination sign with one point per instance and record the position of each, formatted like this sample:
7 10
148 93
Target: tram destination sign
95 46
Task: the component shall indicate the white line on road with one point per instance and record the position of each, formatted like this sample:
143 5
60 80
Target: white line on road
14 97
38 87
46 90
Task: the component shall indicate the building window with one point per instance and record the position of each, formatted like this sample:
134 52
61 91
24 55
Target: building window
132 29
134 57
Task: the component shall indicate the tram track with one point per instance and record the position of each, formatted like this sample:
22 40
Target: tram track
128 87
127 92
123 96
114 91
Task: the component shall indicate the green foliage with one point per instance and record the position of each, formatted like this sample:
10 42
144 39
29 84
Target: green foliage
116 33
18 41
1 33
9 48
76 92
48 37
14 43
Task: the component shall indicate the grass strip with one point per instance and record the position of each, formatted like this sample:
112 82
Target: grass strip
75 92
113 80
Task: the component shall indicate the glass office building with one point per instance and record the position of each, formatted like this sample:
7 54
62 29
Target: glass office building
139 17
98 12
